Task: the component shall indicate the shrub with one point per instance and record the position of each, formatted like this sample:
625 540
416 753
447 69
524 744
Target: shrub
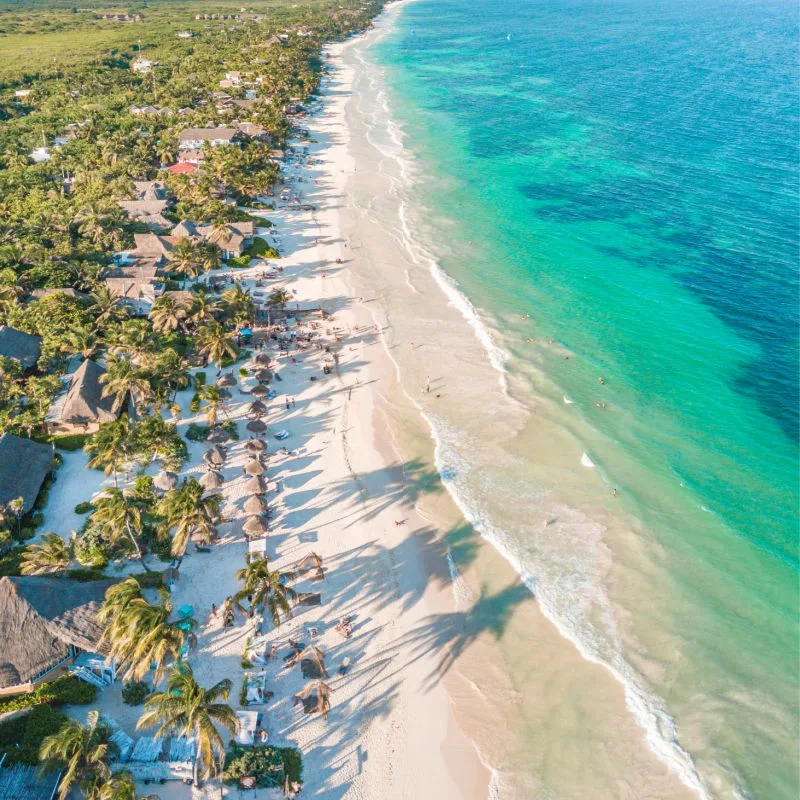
11 562
82 575
92 548
243 372
134 693
22 738
84 508
232 428
73 441
68 690
37 519
149 580
239 263
267 764
199 379
197 433
262 249
194 406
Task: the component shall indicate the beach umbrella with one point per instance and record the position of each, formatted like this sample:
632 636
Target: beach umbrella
255 446
257 426
259 390
256 485
225 393
218 435
262 359
165 480
227 380
264 376
214 456
257 408
255 526
256 505
211 480
254 467
314 666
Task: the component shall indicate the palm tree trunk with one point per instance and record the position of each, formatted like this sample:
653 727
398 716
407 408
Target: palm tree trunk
136 545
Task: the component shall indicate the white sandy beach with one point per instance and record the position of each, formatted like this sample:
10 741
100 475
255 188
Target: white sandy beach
390 731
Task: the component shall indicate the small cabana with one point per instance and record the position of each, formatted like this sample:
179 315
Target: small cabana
256 505
165 481
255 526
211 480
256 485
254 467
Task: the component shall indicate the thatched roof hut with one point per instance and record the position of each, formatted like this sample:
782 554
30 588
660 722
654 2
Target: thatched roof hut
256 426
254 467
211 480
256 505
218 436
255 526
19 346
165 480
264 375
84 409
215 455
263 359
255 446
259 390
41 618
227 380
257 408
256 485
24 464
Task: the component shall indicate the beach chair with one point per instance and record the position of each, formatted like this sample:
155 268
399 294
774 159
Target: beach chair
345 666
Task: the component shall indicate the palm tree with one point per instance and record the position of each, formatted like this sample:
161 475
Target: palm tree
184 258
84 341
214 402
166 314
266 588
123 378
50 555
210 256
136 340
187 709
278 298
140 634
106 306
120 786
119 515
191 514
82 752
110 446
214 343
201 310
169 374
238 304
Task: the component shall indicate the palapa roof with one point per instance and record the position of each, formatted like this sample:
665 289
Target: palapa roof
257 407
24 465
40 617
255 445
226 380
214 455
259 391
150 244
185 229
256 505
85 401
21 346
38 294
255 525
255 485
255 467
165 480
256 426
142 208
207 134
24 782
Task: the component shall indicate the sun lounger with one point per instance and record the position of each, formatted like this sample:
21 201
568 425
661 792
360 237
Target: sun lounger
309 599
345 666
281 435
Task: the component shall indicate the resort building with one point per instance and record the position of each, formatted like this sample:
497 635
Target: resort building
45 624
196 138
232 240
24 465
24 348
84 408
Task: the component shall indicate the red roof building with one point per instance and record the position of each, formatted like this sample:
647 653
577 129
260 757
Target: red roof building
182 168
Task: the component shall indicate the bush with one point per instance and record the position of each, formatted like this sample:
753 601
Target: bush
267 764
83 575
72 441
232 429
194 406
22 738
262 249
84 508
37 519
68 690
149 580
197 433
92 548
239 263
134 693
11 562
199 379
243 372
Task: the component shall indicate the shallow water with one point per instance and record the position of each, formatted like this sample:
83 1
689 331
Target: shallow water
610 191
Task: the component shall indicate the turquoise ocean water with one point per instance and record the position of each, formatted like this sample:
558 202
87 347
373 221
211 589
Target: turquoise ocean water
622 178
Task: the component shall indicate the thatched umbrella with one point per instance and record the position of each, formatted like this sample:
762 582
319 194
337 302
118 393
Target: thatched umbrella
312 662
315 696
218 435
215 456
211 480
227 380
264 376
257 426
255 526
257 408
255 467
256 485
256 505
255 446
263 359
259 390
165 480
225 393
